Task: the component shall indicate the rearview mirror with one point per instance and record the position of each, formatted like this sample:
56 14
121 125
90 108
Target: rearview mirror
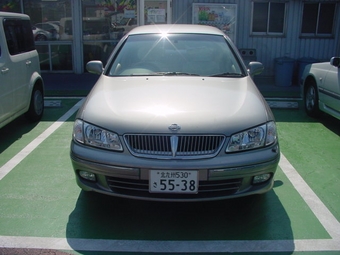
255 68
95 67
335 61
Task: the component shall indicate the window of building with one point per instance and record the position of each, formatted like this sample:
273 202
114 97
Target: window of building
318 19
268 18
10 6
103 24
46 17
155 12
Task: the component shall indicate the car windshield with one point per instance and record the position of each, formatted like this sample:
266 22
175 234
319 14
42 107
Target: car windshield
175 54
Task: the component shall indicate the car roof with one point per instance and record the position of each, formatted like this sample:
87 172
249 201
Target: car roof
176 28
13 15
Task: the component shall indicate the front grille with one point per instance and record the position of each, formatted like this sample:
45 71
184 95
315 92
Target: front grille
206 189
171 146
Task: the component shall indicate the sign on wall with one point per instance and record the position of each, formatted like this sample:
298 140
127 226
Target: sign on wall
156 16
222 16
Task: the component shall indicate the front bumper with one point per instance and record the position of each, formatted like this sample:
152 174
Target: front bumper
221 177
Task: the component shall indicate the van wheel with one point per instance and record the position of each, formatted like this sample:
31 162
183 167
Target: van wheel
311 99
36 108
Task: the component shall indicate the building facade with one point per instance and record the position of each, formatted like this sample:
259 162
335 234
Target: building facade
69 33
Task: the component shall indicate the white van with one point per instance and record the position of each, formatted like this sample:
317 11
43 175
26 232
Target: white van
21 85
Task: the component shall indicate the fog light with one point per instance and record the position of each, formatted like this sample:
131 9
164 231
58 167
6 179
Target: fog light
261 178
88 176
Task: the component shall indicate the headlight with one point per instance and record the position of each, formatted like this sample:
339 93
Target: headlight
253 138
95 136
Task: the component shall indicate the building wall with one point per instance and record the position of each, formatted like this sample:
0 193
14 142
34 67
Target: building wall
268 48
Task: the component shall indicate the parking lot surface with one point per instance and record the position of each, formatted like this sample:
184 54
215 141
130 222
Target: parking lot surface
44 212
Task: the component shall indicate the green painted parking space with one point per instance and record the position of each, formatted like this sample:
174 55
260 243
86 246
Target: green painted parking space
43 208
16 135
313 146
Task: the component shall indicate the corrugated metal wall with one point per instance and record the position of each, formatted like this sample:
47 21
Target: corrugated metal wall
269 48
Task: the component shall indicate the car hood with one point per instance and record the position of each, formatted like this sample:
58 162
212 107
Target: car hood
205 105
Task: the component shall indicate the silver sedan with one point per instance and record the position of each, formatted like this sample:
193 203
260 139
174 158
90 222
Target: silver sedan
175 116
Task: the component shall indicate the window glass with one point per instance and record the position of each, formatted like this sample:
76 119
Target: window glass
155 12
309 19
268 18
175 53
51 23
46 18
104 23
276 18
18 36
260 16
64 59
326 18
318 19
10 6
11 39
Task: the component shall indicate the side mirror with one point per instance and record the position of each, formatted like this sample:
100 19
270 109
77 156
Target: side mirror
335 61
255 68
95 67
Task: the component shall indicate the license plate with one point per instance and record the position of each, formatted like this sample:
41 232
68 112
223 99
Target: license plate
171 181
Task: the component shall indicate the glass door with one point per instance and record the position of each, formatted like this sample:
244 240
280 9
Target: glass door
155 12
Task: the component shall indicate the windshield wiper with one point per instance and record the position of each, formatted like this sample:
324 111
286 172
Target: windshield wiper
176 73
228 75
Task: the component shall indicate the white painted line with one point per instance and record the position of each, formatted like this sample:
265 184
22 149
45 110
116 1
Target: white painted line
104 245
326 218
13 162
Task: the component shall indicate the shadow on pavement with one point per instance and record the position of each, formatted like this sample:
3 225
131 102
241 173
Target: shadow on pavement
260 217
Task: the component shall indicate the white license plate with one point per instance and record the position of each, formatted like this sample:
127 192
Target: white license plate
172 181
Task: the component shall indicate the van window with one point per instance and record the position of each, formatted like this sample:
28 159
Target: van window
19 36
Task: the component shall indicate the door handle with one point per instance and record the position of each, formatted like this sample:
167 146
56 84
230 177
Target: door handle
4 70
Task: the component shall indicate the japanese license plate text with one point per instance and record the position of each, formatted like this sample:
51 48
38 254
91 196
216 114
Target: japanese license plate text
171 181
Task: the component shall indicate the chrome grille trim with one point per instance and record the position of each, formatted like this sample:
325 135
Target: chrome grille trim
174 146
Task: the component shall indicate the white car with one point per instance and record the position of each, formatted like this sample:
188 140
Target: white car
321 88
21 85
45 31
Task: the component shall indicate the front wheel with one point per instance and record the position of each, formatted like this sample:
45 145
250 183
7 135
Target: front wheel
36 108
311 99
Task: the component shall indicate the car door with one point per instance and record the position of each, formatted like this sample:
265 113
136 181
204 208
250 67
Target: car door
6 81
29 63
19 63
331 88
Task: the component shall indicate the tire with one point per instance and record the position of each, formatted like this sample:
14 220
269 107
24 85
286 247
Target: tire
311 99
41 37
36 109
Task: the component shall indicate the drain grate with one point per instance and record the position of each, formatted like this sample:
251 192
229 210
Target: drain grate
52 103
283 105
